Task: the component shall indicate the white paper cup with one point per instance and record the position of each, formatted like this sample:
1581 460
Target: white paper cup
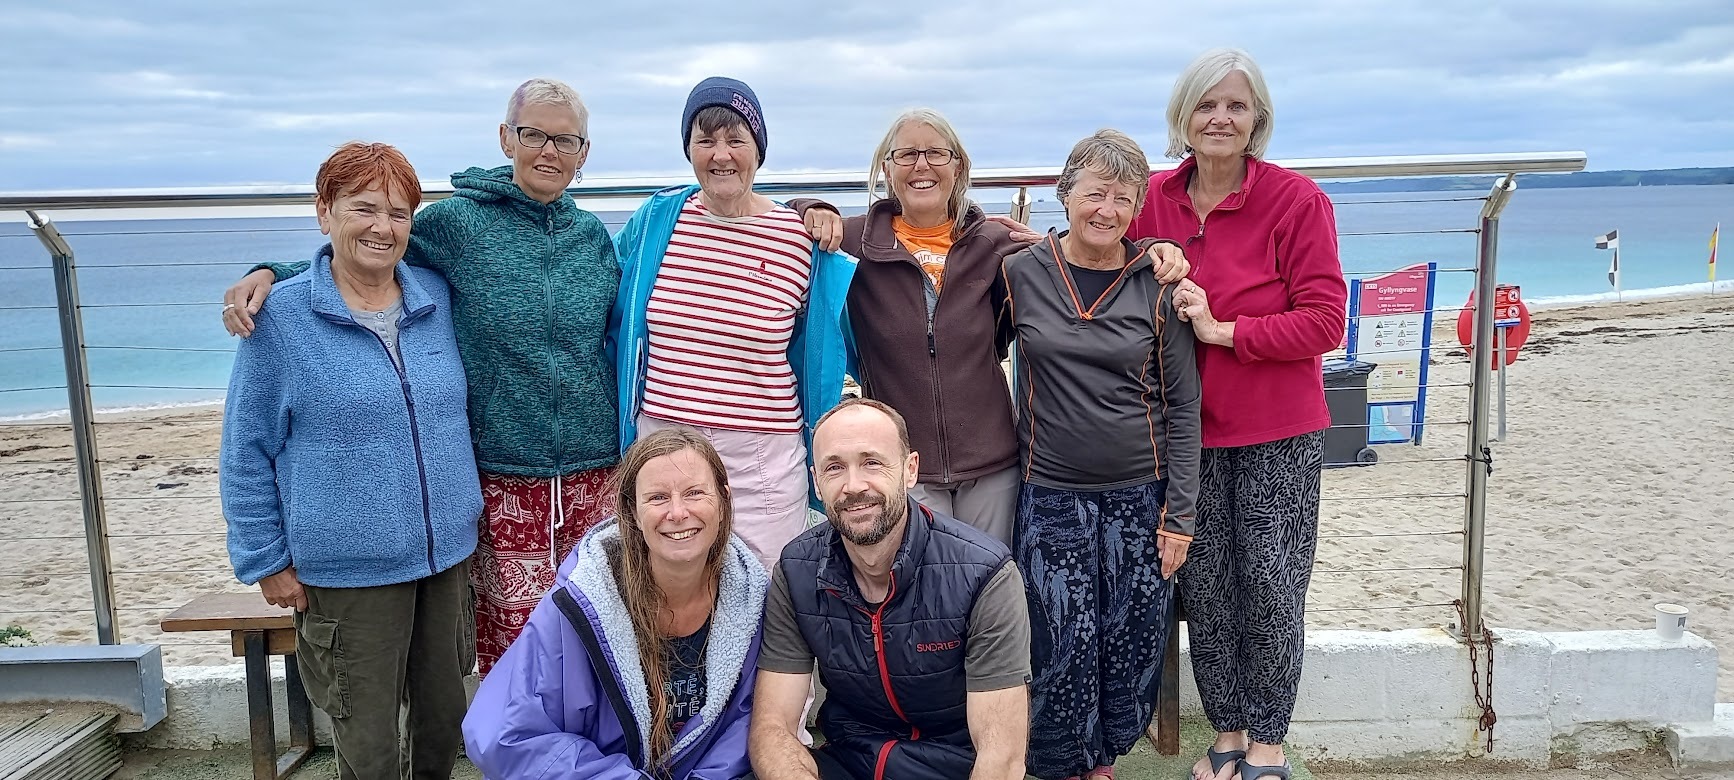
1670 621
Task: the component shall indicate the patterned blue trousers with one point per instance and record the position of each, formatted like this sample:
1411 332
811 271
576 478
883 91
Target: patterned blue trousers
1245 581
1099 613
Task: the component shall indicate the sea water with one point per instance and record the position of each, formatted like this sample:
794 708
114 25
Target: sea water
151 290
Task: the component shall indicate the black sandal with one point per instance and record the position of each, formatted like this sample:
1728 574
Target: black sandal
1255 771
1220 760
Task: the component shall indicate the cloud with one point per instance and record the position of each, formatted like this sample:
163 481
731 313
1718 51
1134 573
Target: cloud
174 95
37 22
1615 73
156 84
20 141
322 121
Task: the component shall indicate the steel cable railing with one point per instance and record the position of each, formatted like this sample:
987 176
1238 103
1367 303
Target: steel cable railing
1349 506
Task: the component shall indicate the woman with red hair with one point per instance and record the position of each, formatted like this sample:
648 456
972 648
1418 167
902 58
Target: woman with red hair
348 480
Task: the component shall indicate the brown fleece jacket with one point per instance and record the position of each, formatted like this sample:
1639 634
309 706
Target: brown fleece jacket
939 368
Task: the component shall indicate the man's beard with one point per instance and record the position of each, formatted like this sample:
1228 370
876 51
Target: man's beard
890 514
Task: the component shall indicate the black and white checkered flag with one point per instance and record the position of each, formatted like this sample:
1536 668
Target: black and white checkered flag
1611 240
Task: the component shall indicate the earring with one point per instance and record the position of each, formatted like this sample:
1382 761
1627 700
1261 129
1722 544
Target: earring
577 176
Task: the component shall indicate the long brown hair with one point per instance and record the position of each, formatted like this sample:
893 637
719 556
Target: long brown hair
644 599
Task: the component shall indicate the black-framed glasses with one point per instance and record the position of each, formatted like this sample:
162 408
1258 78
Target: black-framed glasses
565 143
935 157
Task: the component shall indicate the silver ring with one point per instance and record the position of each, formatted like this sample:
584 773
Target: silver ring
228 306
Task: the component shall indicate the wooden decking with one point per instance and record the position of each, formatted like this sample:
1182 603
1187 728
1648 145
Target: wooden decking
57 742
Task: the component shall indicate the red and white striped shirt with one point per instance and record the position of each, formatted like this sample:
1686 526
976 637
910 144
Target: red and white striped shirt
720 318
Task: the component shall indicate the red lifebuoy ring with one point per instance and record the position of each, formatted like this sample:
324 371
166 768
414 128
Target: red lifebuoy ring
1515 336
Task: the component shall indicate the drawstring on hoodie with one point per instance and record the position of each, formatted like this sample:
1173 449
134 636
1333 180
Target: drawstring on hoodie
556 520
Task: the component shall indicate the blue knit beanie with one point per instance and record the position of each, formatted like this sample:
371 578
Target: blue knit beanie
730 94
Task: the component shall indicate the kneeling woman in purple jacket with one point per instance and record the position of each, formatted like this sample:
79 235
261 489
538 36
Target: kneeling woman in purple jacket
636 664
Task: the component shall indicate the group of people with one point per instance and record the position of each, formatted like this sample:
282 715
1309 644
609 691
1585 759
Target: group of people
617 476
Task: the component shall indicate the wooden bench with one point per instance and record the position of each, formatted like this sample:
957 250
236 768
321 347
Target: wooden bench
1168 696
258 631
1164 730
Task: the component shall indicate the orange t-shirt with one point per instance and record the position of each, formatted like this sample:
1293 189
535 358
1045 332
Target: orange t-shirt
929 245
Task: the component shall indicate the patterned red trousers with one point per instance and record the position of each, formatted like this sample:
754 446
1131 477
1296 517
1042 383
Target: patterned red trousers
524 535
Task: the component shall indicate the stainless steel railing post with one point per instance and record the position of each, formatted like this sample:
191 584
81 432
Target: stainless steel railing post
1020 205
1479 461
83 430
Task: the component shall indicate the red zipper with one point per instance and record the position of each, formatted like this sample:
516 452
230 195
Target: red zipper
884 676
879 650
884 754
885 680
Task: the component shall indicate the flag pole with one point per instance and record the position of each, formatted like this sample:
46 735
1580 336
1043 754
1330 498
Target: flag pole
1618 272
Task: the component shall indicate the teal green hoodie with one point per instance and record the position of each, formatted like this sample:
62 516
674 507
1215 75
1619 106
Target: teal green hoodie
532 285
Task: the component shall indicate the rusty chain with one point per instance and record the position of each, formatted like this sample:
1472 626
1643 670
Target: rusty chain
1483 694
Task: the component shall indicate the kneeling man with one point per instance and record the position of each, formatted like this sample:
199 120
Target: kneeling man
918 622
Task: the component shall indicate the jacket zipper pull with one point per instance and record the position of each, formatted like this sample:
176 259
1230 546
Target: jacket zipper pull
931 352
1198 235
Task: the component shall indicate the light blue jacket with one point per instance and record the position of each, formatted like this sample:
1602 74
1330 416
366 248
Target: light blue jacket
336 461
818 352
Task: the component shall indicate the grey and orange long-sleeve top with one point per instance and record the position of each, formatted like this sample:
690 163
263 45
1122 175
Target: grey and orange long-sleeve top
1107 391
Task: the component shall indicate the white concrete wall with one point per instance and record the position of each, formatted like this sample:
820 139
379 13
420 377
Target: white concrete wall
208 709
1366 696
1405 695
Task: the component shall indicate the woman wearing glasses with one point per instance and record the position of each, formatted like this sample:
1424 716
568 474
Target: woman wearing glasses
927 309
533 277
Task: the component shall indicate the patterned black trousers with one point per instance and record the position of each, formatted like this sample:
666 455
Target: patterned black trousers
1245 581
1099 612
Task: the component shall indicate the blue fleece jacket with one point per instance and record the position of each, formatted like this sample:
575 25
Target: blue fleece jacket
818 352
334 460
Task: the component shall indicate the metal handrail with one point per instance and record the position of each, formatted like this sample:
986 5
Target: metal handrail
1020 180
799 182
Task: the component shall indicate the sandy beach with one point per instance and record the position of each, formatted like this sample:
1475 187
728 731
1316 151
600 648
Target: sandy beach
1612 491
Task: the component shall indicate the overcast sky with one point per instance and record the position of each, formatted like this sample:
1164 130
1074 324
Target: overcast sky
170 93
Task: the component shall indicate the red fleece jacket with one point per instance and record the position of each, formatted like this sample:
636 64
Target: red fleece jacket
1267 259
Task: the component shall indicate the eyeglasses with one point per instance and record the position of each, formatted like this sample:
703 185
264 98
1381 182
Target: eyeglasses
533 138
935 157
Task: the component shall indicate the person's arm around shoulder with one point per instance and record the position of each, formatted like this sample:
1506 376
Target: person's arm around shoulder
1311 269
243 299
1003 245
524 722
780 694
1167 259
439 237
822 220
1177 372
997 663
